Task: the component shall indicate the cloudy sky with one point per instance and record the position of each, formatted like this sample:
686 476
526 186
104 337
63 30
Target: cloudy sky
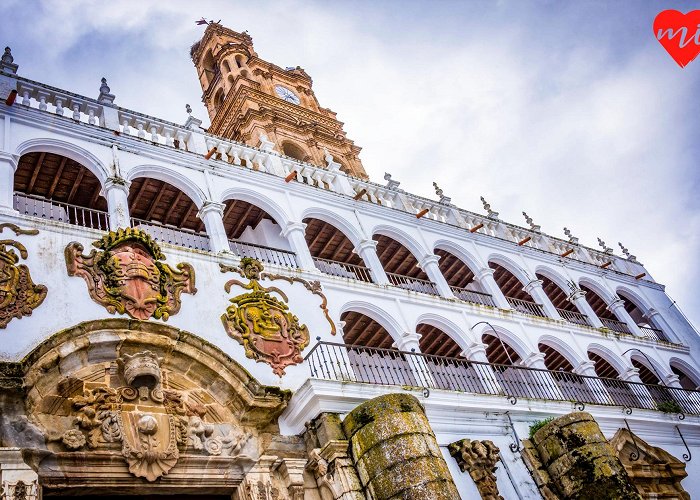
571 111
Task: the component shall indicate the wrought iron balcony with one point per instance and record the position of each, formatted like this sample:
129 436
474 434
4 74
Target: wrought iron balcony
37 206
370 365
616 326
574 317
414 284
277 256
173 235
527 307
473 296
343 270
653 333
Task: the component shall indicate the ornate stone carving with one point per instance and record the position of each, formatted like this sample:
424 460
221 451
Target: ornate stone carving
479 459
128 275
19 296
263 324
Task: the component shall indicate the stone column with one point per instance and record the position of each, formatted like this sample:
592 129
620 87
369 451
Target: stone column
116 191
541 383
212 214
418 365
395 451
656 318
477 352
8 165
295 234
429 264
535 290
485 279
367 250
617 307
599 391
638 391
578 298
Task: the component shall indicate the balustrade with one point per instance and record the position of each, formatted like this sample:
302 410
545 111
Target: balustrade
343 270
276 256
574 317
526 307
616 326
173 235
473 296
414 284
61 212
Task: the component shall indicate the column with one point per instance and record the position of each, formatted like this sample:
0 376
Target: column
429 264
477 352
8 165
617 307
295 233
212 214
578 298
489 285
595 385
654 317
116 191
409 342
542 384
535 290
367 250
640 392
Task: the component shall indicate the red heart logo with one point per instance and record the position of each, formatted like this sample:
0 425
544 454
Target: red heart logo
679 34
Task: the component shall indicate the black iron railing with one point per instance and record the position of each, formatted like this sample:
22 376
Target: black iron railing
473 296
415 284
343 270
526 307
574 317
284 258
61 212
653 333
615 325
408 369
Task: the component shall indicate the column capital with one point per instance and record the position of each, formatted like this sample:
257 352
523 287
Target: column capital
575 295
365 244
586 368
482 273
534 360
673 380
211 206
117 183
615 305
10 158
294 227
533 284
476 352
651 313
427 260
408 341
631 374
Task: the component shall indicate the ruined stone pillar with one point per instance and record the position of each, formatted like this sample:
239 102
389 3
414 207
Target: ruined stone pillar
395 451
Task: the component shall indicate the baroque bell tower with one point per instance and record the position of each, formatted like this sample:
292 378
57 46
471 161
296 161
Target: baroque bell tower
247 97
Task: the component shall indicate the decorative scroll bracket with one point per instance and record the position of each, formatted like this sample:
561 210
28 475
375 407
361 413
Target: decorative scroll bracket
514 447
686 456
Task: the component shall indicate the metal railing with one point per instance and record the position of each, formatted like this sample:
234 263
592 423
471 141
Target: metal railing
414 284
653 333
526 307
61 212
343 270
574 317
473 296
262 253
173 235
371 365
615 325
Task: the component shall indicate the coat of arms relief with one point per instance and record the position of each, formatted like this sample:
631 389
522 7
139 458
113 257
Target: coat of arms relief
127 276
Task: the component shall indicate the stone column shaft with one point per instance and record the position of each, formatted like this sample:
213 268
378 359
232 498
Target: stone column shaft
367 250
477 352
8 165
429 264
489 285
617 307
534 288
599 391
579 300
116 191
212 214
295 234
543 384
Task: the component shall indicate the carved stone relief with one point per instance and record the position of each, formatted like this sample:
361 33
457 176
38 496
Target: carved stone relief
263 324
128 275
19 296
479 459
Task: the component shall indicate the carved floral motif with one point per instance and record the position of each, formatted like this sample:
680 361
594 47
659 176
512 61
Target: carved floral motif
19 296
263 324
128 275
479 459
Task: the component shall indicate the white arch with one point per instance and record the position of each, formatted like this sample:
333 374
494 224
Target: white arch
446 326
69 150
353 233
599 289
255 198
510 266
555 277
418 250
562 348
657 368
377 314
633 297
686 368
172 177
618 362
467 259
512 340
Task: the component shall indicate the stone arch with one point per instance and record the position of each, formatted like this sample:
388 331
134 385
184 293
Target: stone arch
639 302
653 365
69 150
448 327
562 348
615 360
418 250
353 233
294 150
521 348
599 289
184 385
458 251
255 198
686 368
219 98
176 179
554 276
377 314
511 267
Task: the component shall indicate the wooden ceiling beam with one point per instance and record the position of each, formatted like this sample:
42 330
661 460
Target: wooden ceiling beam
135 203
173 206
186 216
242 220
56 178
314 240
76 185
35 172
328 243
155 202
95 195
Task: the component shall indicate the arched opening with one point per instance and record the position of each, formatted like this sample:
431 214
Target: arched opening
645 373
573 387
211 69
560 299
498 351
166 213
620 392
293 151
401 266
602 367
54 187
638 312
513 290
372 357
227 66
252 232
333 252
240 60
219 99
245 73
461 279
600 308
686 378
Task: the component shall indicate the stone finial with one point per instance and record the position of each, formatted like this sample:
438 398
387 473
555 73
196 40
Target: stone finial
445 200
605 247
265 144
7 62
626 252
491 214
533 226
391 184
188 108
572 239
479 459
105 96
438 191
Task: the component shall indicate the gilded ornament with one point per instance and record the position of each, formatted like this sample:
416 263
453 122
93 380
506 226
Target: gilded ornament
19 296
263 324
128 276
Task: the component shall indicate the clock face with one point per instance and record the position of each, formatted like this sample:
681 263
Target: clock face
286 94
